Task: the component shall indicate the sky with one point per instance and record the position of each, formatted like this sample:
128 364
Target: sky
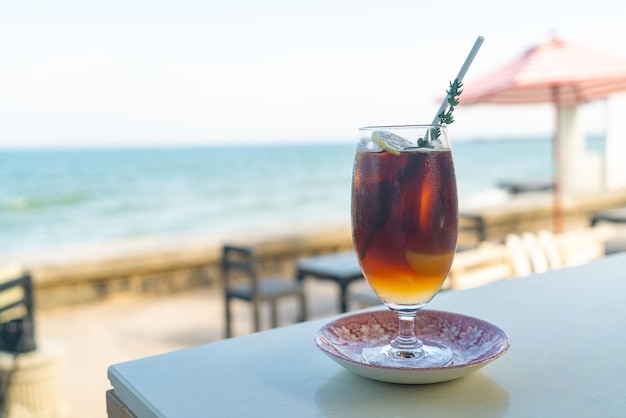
200 72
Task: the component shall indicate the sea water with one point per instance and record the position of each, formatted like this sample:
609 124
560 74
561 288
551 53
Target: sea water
53 197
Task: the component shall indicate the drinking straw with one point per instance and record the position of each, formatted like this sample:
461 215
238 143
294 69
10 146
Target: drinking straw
459 77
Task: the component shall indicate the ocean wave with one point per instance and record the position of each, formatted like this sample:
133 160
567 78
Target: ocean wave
28 203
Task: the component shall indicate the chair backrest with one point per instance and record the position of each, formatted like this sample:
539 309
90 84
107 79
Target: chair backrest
548 242
16 310
479 266
536 253
520 262
238 259
583 245
16 294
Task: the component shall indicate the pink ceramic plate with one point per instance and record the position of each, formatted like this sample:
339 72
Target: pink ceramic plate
474 343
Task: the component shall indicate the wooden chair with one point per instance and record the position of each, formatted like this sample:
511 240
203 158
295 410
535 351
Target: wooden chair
550 246
582 246
16 311
255 289
613 215
479 266
518 255
536 253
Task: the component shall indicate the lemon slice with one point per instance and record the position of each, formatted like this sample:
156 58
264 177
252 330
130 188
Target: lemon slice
390 141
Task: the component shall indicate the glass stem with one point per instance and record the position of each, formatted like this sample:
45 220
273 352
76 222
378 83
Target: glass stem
406 339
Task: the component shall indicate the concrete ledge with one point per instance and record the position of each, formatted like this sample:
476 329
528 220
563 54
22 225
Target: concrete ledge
73 275
533 212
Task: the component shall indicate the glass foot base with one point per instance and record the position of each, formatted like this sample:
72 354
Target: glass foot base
430 354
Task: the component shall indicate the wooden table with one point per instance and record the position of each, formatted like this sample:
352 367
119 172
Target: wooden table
526 186
342 268
566 360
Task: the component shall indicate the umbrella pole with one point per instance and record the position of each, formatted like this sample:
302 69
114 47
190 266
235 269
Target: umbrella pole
557 199
557 204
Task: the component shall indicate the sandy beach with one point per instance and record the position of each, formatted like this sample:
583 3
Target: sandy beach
96 336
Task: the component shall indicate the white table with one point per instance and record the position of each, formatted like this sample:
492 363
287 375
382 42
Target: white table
567 359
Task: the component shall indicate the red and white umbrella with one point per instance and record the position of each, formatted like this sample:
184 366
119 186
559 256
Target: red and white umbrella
558 72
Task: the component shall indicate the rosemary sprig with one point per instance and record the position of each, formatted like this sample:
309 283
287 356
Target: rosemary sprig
453 100
453 94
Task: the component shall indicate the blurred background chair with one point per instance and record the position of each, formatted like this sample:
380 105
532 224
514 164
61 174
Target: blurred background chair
16 311
479 266
535 252
547 241
242 281
614 215
518 255
30 373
